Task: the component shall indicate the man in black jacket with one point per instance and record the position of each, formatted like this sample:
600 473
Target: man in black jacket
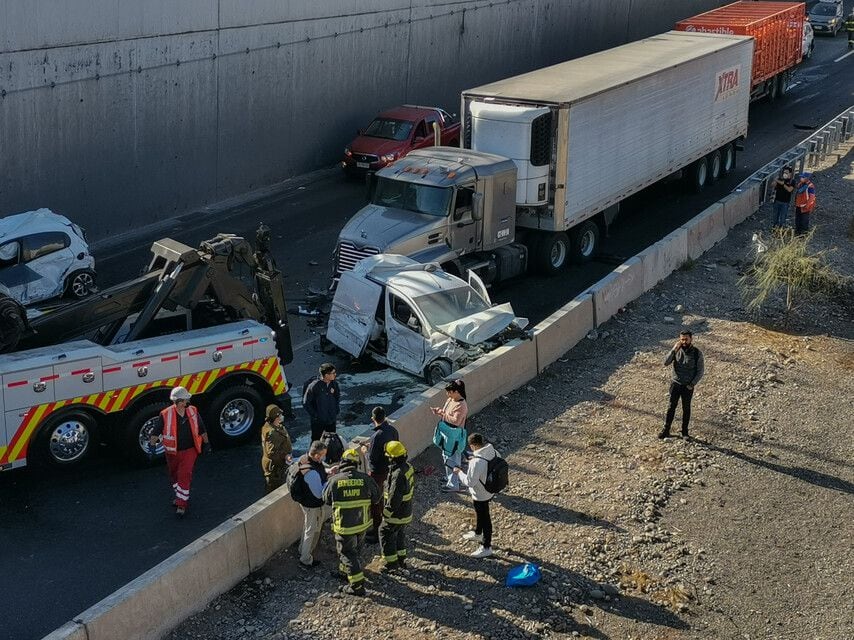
382 434
322 401
688 369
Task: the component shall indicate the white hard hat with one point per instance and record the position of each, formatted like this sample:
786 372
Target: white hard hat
179 393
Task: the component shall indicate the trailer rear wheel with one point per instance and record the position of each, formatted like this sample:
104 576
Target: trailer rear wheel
585 242
715 165
65 439
552 253
728 158
233 414
698 174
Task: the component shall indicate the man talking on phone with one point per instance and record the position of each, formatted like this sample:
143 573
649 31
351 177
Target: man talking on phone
687 361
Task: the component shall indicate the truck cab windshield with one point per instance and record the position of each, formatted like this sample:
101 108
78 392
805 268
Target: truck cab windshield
420 198
447 306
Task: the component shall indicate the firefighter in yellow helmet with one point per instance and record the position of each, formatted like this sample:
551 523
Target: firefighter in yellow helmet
351 494
397 509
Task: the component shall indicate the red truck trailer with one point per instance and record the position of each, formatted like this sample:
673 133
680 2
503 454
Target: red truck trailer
777 30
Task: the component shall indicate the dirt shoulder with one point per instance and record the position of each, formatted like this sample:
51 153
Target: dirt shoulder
744 532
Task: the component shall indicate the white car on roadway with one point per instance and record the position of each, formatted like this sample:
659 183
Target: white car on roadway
417 318
44 255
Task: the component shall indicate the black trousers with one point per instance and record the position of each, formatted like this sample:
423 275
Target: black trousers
350 557
393 541
679 391
483 523
317 429
802 222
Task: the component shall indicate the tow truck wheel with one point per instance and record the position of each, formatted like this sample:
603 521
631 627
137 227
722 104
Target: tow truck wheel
80 284
65 439
437 371
585 242
552 253
139 429
233 414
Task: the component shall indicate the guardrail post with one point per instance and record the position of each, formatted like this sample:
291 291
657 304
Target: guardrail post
811 153
802 162
846 129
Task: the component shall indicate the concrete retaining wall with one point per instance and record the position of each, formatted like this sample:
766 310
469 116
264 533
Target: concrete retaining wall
664 257
562 330
122 114
738 206
706 230
618 288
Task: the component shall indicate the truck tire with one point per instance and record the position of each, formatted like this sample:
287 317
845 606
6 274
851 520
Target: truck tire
584 242
783 80
80 284
552 253
715 165
773 88
727 158
13 323
233 414
65 439
437 371
698 174
137 431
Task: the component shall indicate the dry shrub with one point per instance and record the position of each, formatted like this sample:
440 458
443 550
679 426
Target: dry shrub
789 265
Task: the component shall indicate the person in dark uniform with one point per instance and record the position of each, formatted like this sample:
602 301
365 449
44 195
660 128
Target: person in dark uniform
397 509
322 401
182 432
688 369
351 493
276 448
381 434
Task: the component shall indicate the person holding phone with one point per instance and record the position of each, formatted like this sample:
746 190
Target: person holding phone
783 188
688 369
450 433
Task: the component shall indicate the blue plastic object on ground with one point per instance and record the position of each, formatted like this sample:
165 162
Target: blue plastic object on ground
523 575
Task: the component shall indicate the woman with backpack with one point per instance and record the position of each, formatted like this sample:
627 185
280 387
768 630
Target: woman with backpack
450 433
477 479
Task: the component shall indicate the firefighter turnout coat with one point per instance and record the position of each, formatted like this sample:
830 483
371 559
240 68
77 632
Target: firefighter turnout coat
399 488
351 494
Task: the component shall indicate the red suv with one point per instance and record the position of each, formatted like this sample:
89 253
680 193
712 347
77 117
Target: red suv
396 132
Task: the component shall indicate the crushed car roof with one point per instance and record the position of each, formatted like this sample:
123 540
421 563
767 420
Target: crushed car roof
409 276
31 222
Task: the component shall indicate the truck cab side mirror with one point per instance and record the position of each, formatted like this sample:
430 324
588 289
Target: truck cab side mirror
477 206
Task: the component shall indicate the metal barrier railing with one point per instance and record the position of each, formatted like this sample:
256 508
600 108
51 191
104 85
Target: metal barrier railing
809 153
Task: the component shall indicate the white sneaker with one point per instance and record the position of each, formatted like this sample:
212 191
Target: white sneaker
471 535
482 552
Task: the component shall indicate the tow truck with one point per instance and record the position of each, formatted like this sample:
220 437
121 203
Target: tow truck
212 319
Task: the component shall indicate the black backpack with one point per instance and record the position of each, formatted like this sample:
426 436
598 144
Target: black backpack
497 474
334 447
296 482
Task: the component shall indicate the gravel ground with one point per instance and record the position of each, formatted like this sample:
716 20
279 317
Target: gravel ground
743 532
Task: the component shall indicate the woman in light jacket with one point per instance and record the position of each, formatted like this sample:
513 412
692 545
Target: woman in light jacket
475 479
450 434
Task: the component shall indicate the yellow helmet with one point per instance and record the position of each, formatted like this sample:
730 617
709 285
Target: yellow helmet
394 449
350 455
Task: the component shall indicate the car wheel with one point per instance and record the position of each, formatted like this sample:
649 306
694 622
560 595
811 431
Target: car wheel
80 284
65 439
233 414
437 371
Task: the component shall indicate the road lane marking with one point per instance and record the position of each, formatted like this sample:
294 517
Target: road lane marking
842 57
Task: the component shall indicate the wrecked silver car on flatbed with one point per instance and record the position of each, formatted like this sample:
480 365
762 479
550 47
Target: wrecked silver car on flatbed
417 318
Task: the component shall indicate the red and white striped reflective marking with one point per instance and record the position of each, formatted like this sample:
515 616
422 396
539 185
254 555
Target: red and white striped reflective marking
198 352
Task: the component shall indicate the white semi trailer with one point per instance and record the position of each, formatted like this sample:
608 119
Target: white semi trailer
582 136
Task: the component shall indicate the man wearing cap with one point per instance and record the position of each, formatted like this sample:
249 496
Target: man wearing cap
382 434
804 203
276 448
351 493
397 510
182 432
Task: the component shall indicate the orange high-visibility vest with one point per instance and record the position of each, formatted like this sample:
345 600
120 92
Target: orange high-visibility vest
170 428
804 200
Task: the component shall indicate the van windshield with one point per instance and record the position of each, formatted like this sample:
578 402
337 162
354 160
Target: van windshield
421 198
450 305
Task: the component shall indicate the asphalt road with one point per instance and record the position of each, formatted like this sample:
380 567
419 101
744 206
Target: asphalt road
67 540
